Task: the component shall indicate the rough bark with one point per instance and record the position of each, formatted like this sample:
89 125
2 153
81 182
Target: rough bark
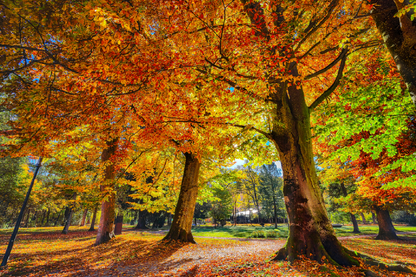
94 216
385 226
108 213
399 35
180 229
310 231
352 216
84 216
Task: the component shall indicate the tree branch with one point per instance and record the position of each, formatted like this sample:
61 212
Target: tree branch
334 85
332 64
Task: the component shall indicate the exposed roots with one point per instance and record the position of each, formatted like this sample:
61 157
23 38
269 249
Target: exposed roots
371 261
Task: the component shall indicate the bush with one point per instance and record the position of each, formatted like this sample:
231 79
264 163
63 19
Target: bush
258 234
272 234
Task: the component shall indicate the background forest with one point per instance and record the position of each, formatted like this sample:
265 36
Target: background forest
136 111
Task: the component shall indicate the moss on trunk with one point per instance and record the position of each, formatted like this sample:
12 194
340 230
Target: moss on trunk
310 231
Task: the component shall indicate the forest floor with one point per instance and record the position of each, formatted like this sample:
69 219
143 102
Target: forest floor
47 252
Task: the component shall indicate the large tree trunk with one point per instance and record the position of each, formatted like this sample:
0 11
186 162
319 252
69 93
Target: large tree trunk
84 216
141 222
108 212
94 216
184 212
399 35
310 231
385 226
352 216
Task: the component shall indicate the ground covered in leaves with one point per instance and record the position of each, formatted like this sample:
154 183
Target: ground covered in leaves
46 252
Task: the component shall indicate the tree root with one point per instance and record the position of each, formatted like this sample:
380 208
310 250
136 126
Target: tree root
371 261
281 255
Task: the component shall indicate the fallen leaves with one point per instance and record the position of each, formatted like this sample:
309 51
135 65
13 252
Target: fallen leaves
143 254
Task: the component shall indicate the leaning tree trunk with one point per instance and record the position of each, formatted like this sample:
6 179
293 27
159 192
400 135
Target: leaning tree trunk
184 212
352 216
108 212
385 226
399 35
310 231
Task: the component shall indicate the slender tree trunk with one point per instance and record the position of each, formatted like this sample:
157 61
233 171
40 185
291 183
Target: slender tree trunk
235 213
43 218
363 218
399 36
57 219
47 217
84 216
27 218
184 212
108 212
94 215
274 210
310 231
352 216
373 216
385 226
69 217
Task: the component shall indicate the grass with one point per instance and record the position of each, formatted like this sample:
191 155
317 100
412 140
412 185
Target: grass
248 231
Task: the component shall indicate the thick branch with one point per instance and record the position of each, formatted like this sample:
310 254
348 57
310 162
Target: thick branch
334 85
314 26
328 67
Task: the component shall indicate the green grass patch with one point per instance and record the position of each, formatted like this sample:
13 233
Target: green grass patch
246 231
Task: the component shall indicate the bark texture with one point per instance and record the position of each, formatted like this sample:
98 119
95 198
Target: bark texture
108 213
310 231
399 35
385 226
141 222
182 221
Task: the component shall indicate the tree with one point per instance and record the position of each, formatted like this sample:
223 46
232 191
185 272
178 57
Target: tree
396 24
271 183
184 212
222 207
251 183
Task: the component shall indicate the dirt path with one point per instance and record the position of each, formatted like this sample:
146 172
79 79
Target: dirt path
189 257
